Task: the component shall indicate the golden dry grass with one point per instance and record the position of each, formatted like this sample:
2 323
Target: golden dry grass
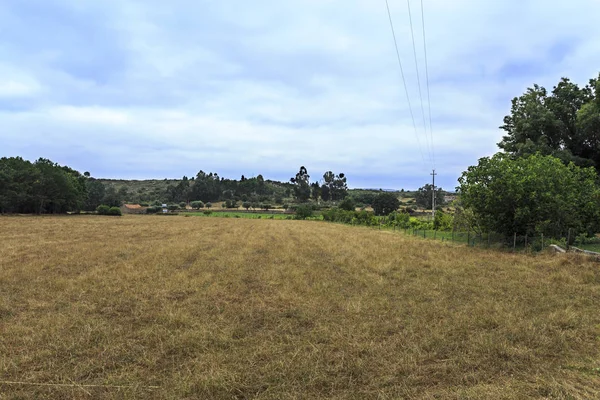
203 308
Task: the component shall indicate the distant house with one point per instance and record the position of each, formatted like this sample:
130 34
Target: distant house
164 208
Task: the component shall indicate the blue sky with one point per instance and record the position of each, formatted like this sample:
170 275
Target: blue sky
154 89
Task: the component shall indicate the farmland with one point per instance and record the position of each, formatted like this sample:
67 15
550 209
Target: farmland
172 308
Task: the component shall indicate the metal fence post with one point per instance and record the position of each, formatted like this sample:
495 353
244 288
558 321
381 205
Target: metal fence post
568 238
468 238
542 241
515 242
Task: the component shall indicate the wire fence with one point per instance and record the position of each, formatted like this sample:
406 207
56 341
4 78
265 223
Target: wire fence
515 242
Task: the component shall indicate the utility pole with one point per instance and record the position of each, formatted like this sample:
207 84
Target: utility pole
433 174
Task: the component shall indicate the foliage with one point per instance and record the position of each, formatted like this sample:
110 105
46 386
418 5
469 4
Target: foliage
103 209
114 211
301 185
197 205
337 189
347 204
247 205
40 187
424 196
208 205
304 211
385 202
173 207
531 195
207 212
564 123
443 221
350 217
153 210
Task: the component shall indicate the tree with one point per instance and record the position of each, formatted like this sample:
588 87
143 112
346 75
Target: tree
556 123
423 196
385 203
336 184
197 205
247 205
301 185
95 194
315 190
531 195
348 204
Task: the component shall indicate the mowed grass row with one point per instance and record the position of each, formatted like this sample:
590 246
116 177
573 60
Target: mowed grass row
188 308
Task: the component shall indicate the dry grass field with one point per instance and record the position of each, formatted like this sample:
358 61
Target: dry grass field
208 308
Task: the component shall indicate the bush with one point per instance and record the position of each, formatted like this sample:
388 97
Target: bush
207 212
114 211
173 207
197 205
208 205
246 205
103 209
384 203
182 205
152 210
304 211
230 204
266 207
144 204
348 204
443 221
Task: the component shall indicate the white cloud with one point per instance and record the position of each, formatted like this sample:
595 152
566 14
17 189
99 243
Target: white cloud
262 86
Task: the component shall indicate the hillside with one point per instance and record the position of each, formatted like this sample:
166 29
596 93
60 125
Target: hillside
176 307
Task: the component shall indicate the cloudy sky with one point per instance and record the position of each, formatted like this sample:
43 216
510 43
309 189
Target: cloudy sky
160 89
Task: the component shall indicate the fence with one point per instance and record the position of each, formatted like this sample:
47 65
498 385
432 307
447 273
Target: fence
514 242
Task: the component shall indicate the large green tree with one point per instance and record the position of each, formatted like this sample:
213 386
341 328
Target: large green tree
424 196
531 195
562 123
385 203
301 185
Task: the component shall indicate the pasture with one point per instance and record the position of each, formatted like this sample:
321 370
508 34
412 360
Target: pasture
224 308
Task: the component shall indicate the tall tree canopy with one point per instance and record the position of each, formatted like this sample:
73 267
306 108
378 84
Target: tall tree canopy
532 195
301 184
564 123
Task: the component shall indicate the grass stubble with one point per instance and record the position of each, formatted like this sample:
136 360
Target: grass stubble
186 308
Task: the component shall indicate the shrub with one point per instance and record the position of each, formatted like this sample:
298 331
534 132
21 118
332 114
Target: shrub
304 211
182 205
208 205
207 212
197 205
230 204
348 204
114 211
152 210
246 205
144 204
266 207
173 207
103 209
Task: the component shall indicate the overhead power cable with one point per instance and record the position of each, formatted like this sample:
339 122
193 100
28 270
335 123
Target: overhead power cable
404 80
427 80
412 34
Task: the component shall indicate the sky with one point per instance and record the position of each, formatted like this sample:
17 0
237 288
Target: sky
140 89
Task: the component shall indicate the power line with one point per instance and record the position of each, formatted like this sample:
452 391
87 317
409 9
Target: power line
412 34
427 80
404 80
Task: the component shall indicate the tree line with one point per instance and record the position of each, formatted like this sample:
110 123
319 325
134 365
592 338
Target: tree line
43 186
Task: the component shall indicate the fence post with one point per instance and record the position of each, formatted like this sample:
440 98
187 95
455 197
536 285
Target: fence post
568 238
424 233
488 240
542 241
526 243
515 242
453 235
468 238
